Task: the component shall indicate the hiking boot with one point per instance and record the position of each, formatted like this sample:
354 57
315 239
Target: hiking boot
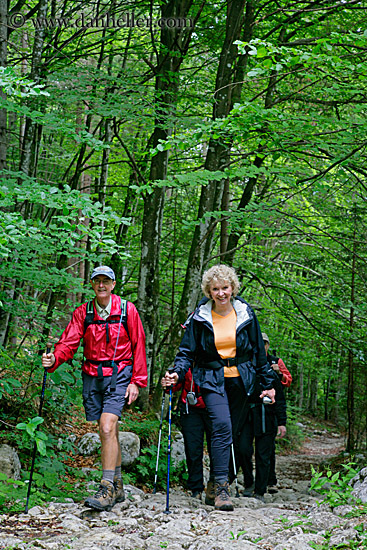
104 498
196 494
259 497
119 489
222 499
209 493
248 491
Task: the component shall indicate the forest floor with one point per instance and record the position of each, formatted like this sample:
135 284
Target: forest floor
321 446
289 519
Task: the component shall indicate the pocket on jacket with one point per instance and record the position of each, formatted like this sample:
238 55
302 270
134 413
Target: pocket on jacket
248 376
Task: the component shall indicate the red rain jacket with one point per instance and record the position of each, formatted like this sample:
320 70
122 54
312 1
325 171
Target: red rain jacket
96 347
287 377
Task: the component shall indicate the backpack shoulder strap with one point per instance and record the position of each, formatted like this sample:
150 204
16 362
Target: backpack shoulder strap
124 315
89 316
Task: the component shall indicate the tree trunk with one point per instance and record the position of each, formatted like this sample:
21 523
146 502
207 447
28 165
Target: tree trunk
313 395
350 392
300 370
173 48
3 62
217 158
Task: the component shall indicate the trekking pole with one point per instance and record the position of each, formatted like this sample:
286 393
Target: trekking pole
167 510
159 443
235 471
48 350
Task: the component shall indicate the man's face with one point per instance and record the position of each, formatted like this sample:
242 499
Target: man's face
103 287
267 346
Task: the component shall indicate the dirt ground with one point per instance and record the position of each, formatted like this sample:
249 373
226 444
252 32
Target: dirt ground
319 448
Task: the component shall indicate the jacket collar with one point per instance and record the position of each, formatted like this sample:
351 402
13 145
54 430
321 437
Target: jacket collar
242 309
114 305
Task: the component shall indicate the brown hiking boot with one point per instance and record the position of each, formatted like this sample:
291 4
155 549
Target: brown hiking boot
104 498
119 489
209 493
222 499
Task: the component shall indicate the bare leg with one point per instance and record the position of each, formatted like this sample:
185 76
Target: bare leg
110 447
106 496
119 457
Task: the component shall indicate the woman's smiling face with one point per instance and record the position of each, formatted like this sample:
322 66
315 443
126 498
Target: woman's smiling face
221 292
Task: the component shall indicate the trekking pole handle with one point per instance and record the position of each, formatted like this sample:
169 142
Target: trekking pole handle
171 370
48 350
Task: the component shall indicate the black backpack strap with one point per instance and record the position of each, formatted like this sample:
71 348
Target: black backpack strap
89 316
124 316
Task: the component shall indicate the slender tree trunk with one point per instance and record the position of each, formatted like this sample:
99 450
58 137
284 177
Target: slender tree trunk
300 384
173 48
313 395
27 141
328 383
233 239
3 63
8 286
217 158
350 394
5 313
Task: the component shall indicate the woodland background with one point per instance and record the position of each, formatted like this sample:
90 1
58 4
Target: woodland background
235 133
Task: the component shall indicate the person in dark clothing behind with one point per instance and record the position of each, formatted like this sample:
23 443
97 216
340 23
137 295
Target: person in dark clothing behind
285 377
195 423
263 423
223 339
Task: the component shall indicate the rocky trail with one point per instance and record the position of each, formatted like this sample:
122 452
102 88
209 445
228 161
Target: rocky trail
291 519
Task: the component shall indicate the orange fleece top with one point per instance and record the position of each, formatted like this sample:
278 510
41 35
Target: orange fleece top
224 327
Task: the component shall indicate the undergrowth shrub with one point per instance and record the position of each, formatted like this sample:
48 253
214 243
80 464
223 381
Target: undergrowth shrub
334 485
294 437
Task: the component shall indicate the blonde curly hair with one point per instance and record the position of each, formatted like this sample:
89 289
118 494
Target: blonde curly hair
220 273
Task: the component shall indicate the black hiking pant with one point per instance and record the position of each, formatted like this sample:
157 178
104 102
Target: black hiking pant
194 426
258 431
227 413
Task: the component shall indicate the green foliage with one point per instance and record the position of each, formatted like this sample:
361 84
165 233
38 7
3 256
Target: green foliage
9 385
359 542
335 486
295 435
238 535
9 490
52 480
143 473
18 86
146 427
32 435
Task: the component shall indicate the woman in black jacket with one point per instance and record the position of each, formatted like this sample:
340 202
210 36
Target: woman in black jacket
223 345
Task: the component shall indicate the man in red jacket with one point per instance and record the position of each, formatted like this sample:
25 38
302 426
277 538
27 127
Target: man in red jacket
113 370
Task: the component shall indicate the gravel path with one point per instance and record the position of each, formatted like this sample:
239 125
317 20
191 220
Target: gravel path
292 519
